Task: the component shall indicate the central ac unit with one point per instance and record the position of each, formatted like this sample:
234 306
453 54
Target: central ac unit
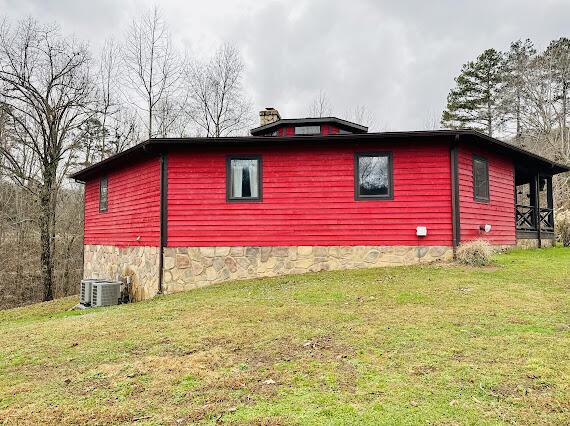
105 293
85 291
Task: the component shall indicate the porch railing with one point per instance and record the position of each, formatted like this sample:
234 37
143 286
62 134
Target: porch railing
526 218
547 220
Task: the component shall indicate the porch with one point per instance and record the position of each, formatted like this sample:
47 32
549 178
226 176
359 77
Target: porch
534 205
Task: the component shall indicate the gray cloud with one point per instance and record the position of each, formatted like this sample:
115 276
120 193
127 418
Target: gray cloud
398 58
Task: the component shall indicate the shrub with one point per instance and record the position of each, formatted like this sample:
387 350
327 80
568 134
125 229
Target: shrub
475 253
563 228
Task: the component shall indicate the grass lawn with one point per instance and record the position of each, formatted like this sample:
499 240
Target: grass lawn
425 344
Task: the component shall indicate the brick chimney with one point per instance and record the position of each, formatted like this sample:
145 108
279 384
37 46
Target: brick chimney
268 115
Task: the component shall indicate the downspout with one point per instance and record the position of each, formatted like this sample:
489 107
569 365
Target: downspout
163 217
515 200
455 214
83 240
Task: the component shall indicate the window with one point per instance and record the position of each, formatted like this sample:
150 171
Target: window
373 176
480 179
308 130
103 194
244 178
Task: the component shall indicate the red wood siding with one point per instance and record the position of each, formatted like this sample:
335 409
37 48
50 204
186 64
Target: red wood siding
133 207
308 199
499 211
326 129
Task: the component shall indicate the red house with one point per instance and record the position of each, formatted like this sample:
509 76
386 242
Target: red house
306 195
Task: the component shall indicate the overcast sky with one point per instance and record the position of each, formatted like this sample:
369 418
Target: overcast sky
398 58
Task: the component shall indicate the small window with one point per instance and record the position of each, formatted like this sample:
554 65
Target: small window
373 179
480 179
244 178
308 130
103 194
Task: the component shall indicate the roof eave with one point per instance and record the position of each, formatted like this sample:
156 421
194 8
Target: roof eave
557 167
151 146
80 175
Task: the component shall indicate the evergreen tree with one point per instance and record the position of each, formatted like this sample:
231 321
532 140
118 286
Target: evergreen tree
475 102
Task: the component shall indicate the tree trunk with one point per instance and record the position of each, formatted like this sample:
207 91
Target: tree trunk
489 109
47 230
518 118
150 119
564 112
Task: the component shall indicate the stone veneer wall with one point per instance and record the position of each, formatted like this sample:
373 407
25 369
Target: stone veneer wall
191 267
533 243
187 268
138 262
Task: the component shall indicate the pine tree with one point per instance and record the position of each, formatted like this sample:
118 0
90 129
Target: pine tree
475 102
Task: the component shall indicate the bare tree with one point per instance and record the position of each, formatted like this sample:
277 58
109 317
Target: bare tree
91 142
47 92
170 120
519 61
431 121
545 110
107 82
218 105
558 52
320 106
152 69
124 131
360 114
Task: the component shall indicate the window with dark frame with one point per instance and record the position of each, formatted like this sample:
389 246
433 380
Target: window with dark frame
103 194
244 178
480 179
373 176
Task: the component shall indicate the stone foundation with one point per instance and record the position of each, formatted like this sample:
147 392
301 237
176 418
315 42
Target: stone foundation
138 262
533 243
187 268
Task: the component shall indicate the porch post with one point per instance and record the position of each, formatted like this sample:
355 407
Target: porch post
549 193
550 201
535 189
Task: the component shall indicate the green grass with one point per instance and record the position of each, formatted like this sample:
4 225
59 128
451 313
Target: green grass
412 345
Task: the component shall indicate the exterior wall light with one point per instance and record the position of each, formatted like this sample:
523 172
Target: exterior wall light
421 231
485 228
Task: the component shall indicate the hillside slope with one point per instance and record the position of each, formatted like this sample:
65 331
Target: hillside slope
425 344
